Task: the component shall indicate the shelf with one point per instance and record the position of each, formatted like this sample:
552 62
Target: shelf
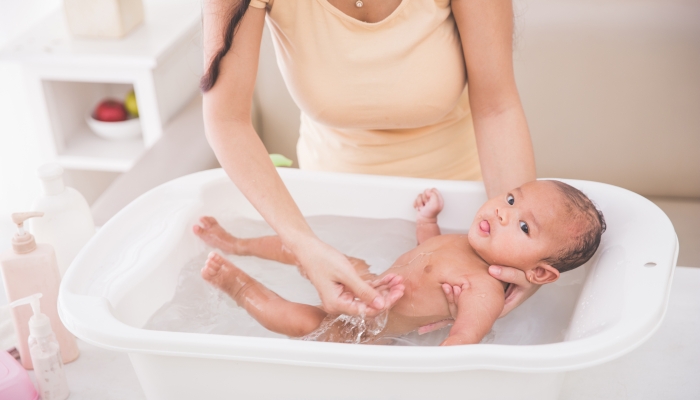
85 150
160 60
166 23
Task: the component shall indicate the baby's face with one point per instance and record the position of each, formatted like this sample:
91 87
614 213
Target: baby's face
522 227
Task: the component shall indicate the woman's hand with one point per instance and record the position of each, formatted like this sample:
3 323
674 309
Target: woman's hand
341 289
518 291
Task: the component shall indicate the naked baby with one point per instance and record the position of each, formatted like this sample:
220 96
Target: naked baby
543 228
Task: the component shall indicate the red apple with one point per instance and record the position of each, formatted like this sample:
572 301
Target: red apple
110 111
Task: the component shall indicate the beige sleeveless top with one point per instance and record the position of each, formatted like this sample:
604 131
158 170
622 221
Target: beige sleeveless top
386 98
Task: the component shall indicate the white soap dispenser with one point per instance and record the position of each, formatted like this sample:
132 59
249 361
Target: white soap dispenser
67 224
45 353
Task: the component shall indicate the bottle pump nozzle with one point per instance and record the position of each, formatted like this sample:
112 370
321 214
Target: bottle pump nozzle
23 241
39 324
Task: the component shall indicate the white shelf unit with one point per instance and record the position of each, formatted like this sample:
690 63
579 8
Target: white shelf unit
66 77
74 144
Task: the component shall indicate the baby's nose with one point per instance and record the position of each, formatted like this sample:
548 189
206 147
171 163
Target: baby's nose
503 215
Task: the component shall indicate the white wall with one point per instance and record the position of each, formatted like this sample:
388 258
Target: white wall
19 152
611 90
277 114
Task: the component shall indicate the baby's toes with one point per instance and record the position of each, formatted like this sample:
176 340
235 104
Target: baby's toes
213 265
215 259
207 221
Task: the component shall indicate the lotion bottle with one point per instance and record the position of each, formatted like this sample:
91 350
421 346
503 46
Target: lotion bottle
67 224
45 352
27 269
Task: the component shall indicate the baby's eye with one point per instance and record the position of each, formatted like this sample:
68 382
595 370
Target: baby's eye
510 199
524 227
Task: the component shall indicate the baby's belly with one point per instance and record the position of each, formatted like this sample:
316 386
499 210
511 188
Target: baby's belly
416 309
398 324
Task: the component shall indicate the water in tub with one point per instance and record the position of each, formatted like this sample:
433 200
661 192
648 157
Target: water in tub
199 307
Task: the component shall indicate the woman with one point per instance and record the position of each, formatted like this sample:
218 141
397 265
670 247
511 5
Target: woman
382 89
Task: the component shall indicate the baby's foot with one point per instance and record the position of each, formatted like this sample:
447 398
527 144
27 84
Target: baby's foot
215 236
224 275
428 204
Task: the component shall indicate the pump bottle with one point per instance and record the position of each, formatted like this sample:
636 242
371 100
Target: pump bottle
27 269
67 224
45 352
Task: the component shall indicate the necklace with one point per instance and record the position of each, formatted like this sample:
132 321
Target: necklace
359 3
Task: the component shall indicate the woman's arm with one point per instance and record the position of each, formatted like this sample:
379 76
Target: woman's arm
502 136
228 126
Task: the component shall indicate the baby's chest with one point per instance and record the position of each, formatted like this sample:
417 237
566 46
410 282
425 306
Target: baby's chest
423 301
424 280
423 295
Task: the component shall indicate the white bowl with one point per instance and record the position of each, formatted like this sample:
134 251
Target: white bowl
120 130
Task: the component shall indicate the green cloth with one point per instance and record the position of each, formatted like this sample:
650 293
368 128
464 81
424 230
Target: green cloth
280 161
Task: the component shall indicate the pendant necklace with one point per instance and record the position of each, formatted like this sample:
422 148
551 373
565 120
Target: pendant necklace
359 3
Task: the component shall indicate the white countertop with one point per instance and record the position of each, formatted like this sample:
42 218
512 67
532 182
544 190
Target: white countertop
665 367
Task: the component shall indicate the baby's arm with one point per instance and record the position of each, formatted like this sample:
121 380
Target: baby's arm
428 204
480 304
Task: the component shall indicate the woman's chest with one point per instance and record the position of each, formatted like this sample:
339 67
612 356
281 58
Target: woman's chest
406 71
370 11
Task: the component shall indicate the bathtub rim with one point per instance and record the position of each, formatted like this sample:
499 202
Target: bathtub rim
113 334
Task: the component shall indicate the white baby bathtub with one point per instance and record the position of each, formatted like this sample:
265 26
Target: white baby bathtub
130 269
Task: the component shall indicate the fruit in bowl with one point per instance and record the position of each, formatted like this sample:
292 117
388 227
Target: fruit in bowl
110 111
130 104
110 120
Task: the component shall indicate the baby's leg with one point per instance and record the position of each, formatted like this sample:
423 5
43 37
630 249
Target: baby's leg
267 247
269 309
428 204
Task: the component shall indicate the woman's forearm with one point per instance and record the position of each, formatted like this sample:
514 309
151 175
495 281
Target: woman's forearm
228 125
503 139
243 156
505 149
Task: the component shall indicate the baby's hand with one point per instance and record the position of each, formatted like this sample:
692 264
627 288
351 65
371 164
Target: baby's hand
429 204
391 287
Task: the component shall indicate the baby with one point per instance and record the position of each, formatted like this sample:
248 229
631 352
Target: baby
543 228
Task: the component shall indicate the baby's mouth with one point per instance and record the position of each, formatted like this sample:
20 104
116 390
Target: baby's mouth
485 226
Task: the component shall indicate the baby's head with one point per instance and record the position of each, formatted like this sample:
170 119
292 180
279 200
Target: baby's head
542 228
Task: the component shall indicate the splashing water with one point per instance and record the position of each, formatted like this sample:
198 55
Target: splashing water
349 328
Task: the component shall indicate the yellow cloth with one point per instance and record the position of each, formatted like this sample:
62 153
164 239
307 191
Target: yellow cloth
385 98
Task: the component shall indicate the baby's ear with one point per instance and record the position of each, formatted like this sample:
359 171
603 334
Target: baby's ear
542 273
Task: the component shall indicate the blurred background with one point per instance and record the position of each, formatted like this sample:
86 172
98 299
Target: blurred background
611 90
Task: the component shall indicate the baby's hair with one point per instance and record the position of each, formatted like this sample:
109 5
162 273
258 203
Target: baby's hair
582 247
